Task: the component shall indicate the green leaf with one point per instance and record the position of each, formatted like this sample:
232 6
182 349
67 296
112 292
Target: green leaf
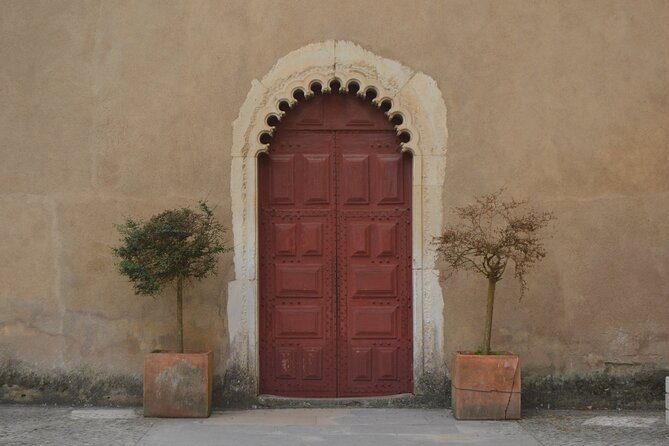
174 243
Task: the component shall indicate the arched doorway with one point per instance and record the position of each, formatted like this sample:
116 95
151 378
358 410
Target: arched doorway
399 90
335 265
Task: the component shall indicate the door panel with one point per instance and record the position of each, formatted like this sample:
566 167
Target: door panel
374 311
374 264
297 261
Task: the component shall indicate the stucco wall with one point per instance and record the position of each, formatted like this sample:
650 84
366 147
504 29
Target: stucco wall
110 109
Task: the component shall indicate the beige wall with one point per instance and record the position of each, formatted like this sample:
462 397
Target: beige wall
110 109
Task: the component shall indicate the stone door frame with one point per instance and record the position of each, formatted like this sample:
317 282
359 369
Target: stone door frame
412 95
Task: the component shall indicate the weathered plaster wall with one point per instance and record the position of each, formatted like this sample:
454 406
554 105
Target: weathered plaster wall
103 116
110 109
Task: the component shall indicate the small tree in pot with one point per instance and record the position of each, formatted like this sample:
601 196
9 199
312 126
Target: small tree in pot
173 247
490 234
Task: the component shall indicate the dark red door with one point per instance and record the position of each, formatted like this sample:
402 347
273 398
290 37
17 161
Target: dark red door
335 257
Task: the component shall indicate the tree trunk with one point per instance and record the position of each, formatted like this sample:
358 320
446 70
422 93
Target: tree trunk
180 315
488 316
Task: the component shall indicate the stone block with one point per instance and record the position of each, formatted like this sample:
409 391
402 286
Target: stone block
666 400
422 100
317 57
354 62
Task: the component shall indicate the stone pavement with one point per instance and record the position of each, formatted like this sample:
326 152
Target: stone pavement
36 425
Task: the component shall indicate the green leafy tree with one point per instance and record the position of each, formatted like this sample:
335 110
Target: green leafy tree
172 246
491 233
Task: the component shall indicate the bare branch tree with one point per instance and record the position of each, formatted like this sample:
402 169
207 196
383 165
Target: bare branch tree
492 232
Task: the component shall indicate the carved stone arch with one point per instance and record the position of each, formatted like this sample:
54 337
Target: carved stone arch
412 94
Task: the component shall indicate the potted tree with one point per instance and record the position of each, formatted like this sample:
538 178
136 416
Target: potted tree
171 248
490 233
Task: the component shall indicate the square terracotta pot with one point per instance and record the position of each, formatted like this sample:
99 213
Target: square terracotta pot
485 387
178 385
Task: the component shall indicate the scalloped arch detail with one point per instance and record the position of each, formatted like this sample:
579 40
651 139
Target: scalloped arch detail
397 90
407 90
274 117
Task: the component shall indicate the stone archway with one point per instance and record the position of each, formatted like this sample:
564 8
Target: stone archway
402 91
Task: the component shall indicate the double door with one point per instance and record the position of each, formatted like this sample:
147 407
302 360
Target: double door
335 265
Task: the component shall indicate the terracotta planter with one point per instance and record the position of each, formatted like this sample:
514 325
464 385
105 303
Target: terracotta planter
485 387
178 384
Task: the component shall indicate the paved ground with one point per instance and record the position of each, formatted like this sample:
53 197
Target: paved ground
34 425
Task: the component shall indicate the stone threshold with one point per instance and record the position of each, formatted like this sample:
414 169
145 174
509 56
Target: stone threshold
393 401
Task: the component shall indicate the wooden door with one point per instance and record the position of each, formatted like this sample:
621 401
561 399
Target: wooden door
335 254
